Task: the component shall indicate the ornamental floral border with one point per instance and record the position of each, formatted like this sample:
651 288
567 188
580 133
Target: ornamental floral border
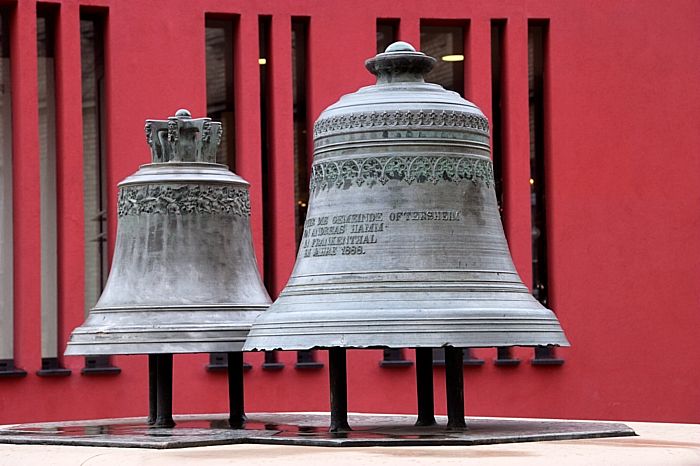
369 171
401 118
183 199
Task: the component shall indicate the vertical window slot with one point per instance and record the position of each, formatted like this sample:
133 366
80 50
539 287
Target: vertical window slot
46 39
218 39
446 44
271 361
7 362
387 33
220 95
504 355
300 41
537 46
94 173
301 136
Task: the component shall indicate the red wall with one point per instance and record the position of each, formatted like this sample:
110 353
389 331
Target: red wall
623 134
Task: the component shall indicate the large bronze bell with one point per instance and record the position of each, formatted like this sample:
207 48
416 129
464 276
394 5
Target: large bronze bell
403 244
184 277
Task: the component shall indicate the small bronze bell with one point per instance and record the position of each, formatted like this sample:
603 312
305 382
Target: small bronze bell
184 277
403 244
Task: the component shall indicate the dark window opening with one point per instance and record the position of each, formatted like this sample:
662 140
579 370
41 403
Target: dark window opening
504 356
218 37
94 173
301 137
300 44
7 362
46 39
537 45
220 93
446 45
264 28
497 32
387 33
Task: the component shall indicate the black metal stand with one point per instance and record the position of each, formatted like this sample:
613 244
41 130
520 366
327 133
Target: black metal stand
152 390
337 371
164 391
424 387
454 384
235 390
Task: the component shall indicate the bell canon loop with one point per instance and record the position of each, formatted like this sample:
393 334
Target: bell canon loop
184 277
403 244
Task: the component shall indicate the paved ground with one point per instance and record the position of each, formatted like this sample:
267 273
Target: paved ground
303 429
657 444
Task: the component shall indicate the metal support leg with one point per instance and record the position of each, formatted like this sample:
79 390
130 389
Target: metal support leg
424 387
454 384
235 390
152 390
337 371
164 411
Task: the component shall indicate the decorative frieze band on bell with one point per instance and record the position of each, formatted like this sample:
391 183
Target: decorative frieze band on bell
405 168
401 118
183 199
182 138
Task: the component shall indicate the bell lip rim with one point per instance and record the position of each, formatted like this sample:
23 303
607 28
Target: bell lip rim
185 307
230 339
247 348
117 352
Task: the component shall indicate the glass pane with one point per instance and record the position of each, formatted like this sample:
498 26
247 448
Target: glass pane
537 168
6 256
220 106
446 44
386 33
47 179
301 157
93 162
497 31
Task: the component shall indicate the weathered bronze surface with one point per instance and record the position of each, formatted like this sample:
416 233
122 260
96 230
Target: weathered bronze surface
302 429
184 277
403 244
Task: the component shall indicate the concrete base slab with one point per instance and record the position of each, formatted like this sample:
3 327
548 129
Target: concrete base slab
307 429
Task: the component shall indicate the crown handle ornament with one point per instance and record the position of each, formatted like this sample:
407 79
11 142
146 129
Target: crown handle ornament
182 138
400 62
